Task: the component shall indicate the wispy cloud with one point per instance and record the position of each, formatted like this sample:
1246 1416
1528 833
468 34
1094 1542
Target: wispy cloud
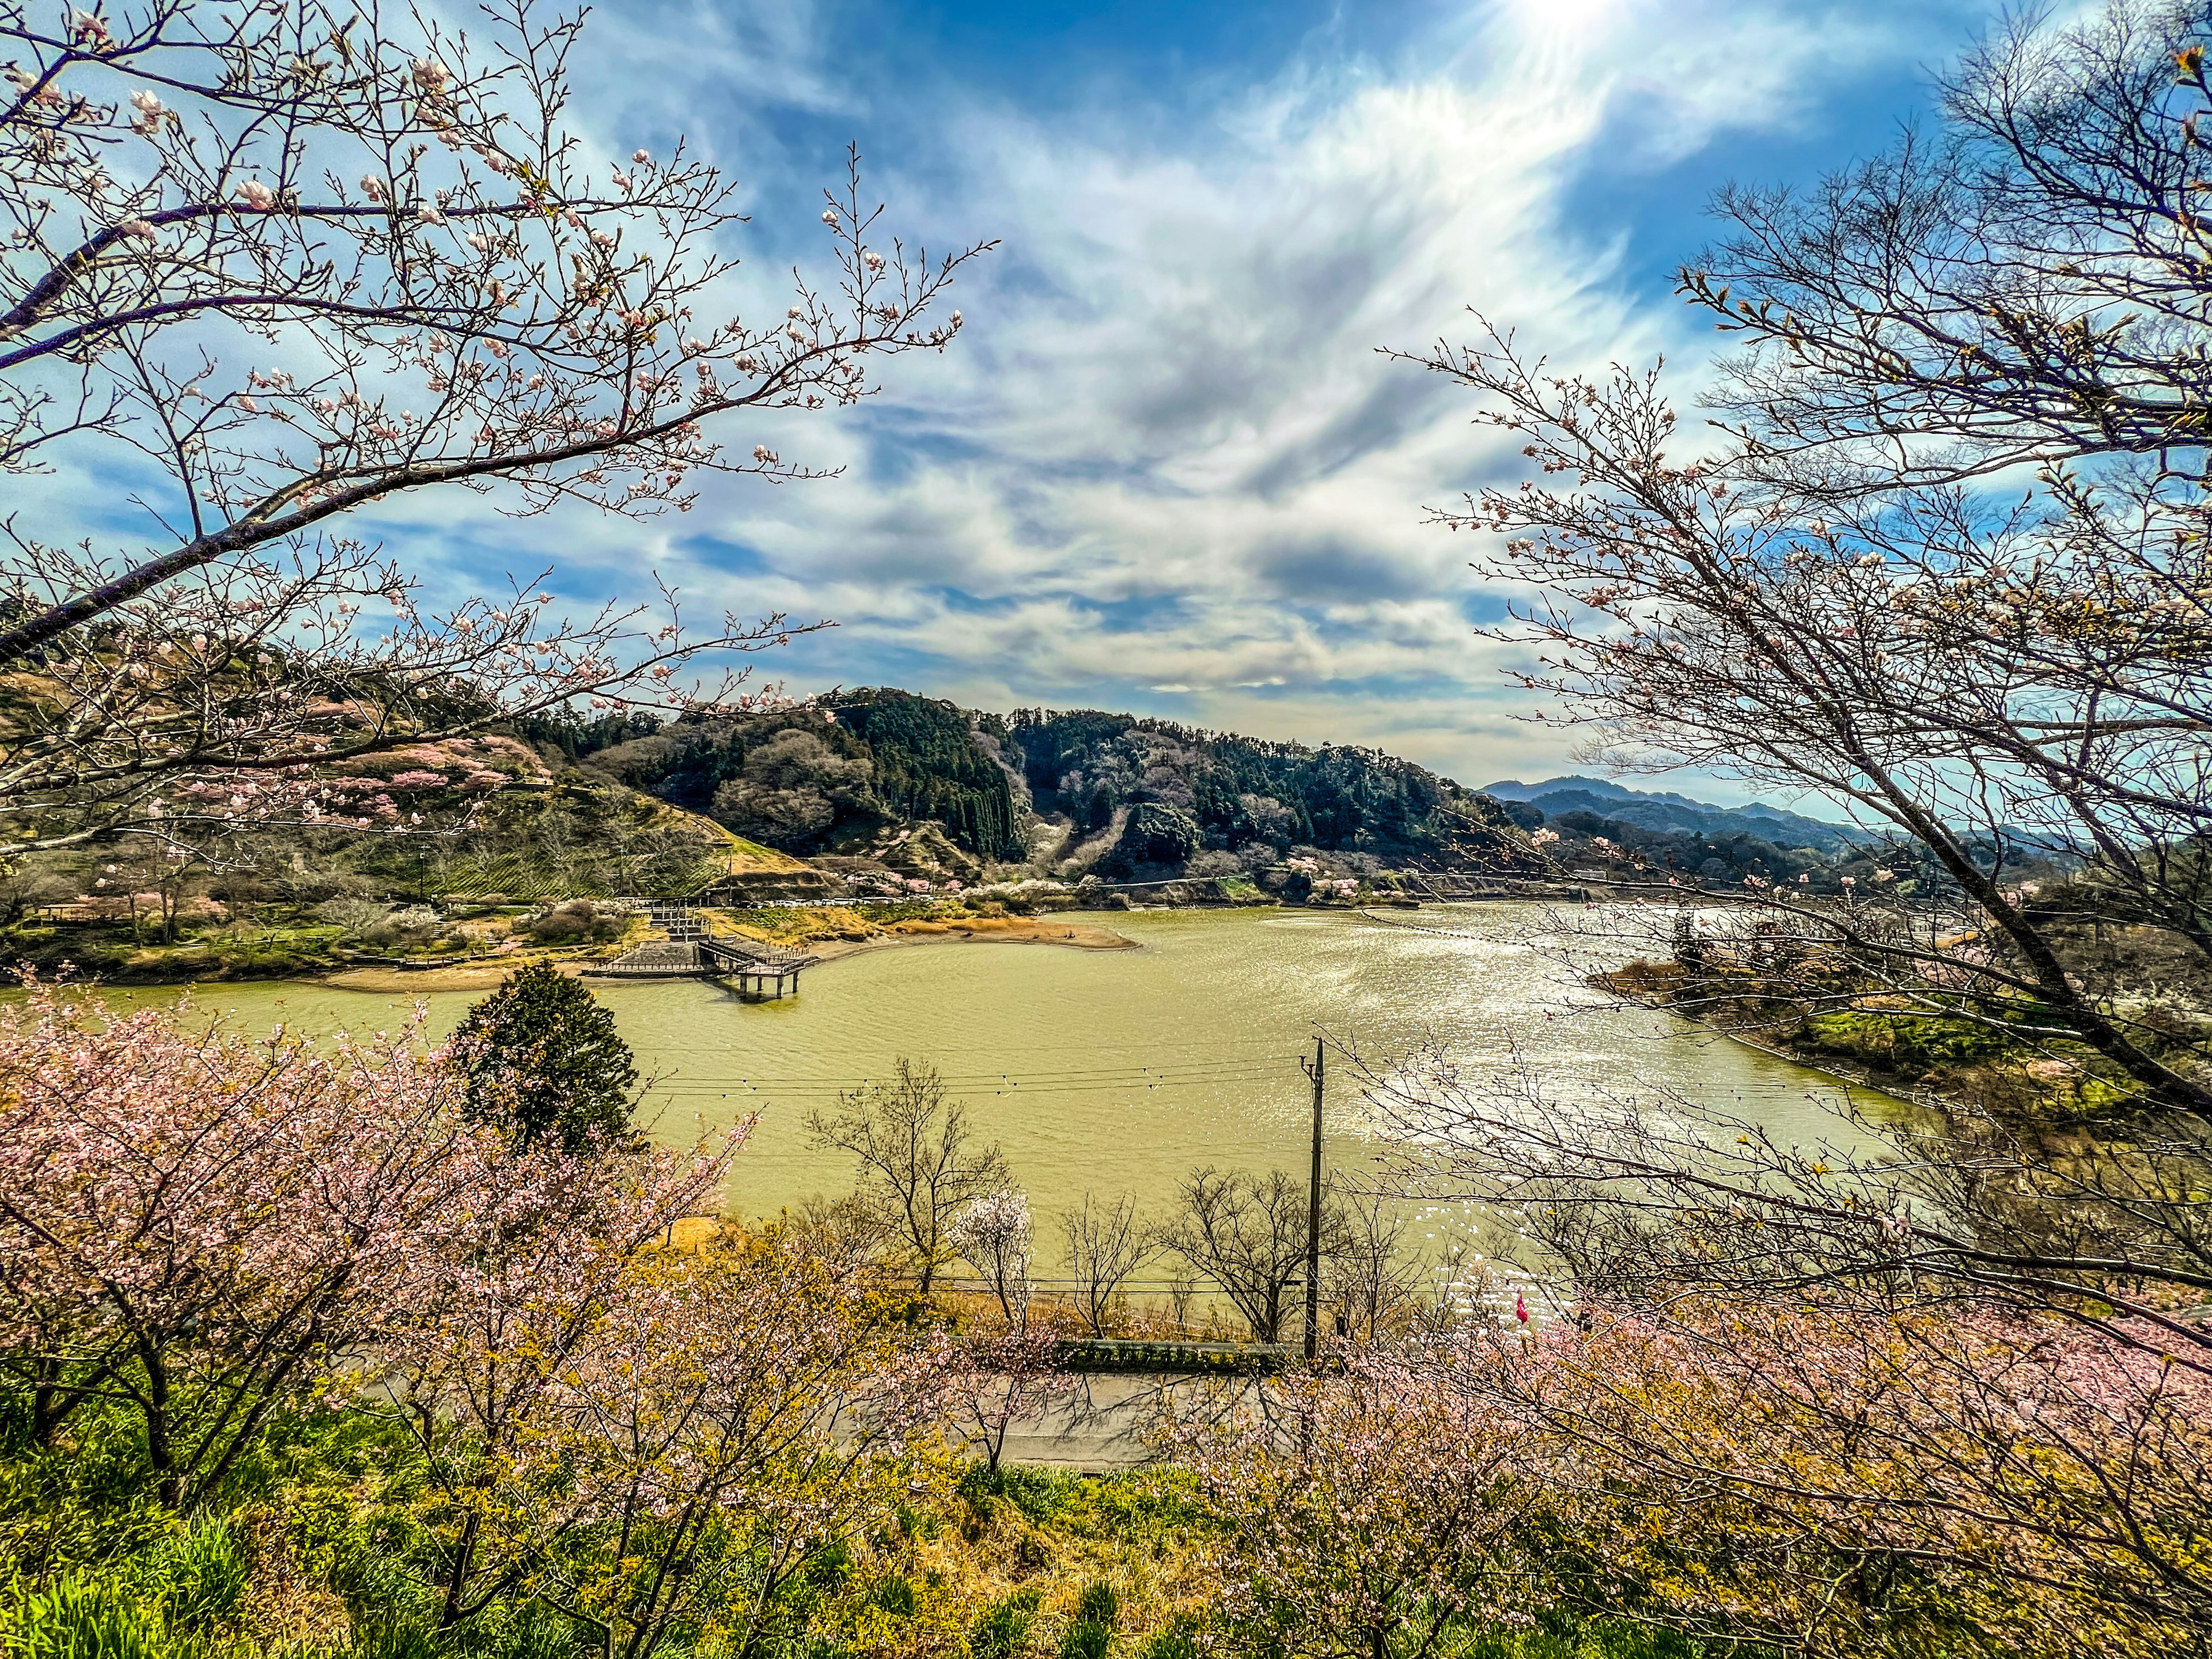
1165 467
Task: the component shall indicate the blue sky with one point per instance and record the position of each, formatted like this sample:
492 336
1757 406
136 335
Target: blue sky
1164 470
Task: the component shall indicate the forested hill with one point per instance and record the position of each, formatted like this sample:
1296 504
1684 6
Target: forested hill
1235 792
1131 793
816 778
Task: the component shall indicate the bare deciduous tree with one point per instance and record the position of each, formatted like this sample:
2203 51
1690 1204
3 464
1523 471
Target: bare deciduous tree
1945 562
1248 1234
915 1158
1818 601
1107 1244
265 269
1368 1277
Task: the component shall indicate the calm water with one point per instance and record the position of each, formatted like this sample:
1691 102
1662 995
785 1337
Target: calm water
1119 1071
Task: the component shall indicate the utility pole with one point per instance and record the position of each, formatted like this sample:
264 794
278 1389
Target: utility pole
1315 1069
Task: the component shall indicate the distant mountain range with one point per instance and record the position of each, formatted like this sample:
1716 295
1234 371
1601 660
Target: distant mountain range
1661 811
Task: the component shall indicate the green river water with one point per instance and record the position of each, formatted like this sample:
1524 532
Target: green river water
1118 1070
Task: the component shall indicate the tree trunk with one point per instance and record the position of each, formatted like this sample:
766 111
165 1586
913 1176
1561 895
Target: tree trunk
464 1555
161 1455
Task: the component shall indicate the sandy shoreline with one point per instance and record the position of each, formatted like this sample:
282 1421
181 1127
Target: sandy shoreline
978 930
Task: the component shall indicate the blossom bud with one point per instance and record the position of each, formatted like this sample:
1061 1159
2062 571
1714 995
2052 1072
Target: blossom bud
829 216
643 158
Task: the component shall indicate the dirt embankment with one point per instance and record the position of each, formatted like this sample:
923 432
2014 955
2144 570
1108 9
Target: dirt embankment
980 930
828 935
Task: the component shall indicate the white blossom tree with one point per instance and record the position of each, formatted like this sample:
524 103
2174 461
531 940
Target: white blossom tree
267 265
996 1235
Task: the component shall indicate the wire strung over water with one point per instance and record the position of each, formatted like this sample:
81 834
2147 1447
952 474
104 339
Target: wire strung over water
1416 927
1252 1068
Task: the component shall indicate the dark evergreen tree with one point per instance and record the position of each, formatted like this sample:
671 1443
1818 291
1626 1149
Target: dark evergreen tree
542 1059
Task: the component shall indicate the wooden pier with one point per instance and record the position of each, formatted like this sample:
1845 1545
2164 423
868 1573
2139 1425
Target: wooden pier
687 951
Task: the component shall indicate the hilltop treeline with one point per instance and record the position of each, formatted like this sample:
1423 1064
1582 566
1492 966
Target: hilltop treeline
811 778
1238 792
826 777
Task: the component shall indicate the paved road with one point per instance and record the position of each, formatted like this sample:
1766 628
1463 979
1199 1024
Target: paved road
1113 1421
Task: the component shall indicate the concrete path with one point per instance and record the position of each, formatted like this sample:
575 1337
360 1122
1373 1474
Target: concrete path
1113 1421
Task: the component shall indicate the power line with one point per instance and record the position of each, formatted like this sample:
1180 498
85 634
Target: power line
739 1091
1108 1080
1072 1074
1140 1047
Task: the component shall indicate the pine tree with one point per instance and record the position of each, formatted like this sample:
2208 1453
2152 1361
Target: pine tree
542 1057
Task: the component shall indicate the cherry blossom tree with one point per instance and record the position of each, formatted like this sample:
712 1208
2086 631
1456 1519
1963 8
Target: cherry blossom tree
1942 562
203 1226
1828 1478
1956 1357
265 270
996 1235
988 1380
732 1412
1823 593
509 1306
1372 1509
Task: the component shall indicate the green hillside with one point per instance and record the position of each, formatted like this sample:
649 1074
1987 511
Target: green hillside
1244 792
810 779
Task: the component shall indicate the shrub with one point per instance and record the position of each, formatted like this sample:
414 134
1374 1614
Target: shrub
409 925
1098 1605
353 915
197 1576
894 1595
1000 1632
1036 1493
392 1639
77 1618
570 921
830 1566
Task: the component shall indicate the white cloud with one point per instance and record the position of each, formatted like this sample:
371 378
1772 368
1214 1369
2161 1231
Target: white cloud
1165 467
1168 459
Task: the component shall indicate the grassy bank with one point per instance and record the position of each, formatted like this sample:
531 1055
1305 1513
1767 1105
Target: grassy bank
324 1544
428 945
